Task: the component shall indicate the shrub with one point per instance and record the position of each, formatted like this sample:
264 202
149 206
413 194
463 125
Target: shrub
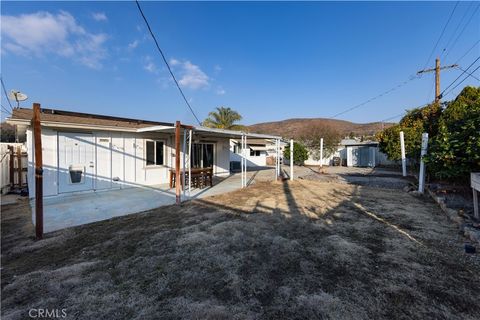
300 153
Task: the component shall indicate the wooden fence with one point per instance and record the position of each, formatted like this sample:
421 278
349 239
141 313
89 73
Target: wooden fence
14 164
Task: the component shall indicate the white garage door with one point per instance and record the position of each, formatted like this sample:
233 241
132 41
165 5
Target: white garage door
76 162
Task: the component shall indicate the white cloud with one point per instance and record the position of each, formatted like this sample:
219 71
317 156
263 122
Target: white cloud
217 69
149 65
44 33
133 45
191 76
174 62
220 91
99 16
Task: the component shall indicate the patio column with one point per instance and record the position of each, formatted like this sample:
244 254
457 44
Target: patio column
177 163
321 152
245 162
241 160
184 151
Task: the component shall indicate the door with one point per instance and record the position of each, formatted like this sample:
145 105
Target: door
363 157
202 155
76 158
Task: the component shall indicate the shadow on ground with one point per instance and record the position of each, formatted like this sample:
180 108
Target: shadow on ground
284 250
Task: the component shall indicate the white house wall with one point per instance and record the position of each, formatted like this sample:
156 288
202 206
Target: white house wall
119 160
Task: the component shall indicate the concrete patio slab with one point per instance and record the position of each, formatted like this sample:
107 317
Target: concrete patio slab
69 210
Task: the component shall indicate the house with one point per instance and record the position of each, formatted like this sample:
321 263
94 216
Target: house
85 153
353 153
256 154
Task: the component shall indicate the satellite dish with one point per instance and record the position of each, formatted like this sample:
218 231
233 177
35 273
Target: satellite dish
17 96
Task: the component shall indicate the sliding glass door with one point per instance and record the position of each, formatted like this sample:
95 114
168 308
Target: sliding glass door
202 155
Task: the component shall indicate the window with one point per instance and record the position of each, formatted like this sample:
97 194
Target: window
154 154
254 153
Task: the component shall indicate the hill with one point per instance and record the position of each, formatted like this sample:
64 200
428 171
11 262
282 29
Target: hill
290 128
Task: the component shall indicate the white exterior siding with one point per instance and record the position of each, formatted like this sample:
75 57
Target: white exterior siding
119 160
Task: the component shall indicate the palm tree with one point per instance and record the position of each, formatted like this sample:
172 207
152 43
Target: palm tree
223 118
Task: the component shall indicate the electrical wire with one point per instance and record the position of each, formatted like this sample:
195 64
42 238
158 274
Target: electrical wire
471 75
5 92
376 97
461 32
166 62
441 35
466 70
456 29
468 51
6 110
462 81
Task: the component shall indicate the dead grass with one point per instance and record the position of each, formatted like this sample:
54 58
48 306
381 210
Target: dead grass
297 250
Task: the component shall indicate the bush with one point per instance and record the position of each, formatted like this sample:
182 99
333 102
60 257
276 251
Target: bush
454 136
455 149
300 153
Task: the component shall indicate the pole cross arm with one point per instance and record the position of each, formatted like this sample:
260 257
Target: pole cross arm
441 68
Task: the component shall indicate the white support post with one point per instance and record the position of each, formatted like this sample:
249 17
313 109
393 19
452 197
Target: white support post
246 166
189 162
321 152
278 159
184 151
291 159
404 160
421 177
242 159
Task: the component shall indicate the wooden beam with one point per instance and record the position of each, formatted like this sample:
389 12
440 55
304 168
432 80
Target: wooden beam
37 136
177 162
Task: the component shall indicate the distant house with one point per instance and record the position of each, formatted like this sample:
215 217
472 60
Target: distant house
258 152
354 153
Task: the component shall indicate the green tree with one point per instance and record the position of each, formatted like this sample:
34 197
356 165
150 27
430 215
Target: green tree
455 149
300 153
7 132
413 124
223 118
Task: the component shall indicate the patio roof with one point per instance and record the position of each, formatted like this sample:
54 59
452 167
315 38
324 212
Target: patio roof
211 132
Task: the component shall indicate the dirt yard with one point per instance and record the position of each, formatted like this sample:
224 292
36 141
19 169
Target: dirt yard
300 250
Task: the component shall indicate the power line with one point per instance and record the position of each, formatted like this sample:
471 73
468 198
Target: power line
441 94
456 29
471 75
462 80
405 112
376 97
441 35
6 110
461 32
166 62
468 51
5 92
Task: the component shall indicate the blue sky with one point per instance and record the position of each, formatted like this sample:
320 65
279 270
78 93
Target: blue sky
269 61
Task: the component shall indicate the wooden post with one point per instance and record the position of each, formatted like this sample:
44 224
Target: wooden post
437 80
19 166
12 167
177 163
402 151
423 152
37 136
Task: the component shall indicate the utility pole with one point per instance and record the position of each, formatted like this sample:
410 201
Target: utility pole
437 69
